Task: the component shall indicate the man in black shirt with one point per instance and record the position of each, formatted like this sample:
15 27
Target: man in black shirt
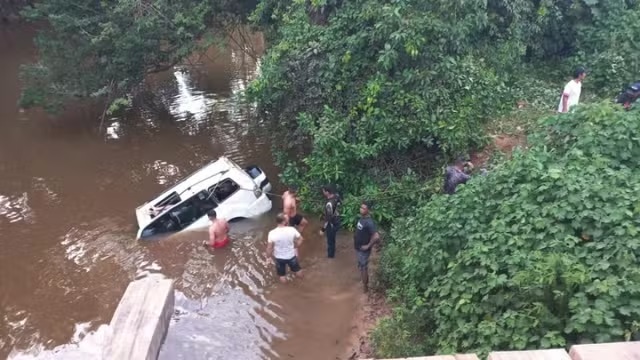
456 175
364 238
629 95
331 218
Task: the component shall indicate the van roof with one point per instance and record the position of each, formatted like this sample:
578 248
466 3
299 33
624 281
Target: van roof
194 182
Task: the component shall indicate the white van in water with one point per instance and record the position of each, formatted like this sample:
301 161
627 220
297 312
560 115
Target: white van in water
221 185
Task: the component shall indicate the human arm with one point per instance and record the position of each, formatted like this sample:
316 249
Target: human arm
328 215
298 241
375 236
566 92
270 250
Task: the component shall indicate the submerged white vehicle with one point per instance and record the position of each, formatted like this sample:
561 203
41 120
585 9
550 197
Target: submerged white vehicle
222 185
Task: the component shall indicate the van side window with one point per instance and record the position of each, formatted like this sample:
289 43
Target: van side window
224 189
182 215
171 199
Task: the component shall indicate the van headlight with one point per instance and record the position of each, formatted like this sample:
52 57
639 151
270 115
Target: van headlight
257 191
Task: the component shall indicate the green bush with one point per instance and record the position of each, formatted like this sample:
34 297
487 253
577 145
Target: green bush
374 81
540 253
380 80
610 48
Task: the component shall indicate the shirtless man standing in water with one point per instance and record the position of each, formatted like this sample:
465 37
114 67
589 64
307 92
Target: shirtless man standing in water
218 231
290 208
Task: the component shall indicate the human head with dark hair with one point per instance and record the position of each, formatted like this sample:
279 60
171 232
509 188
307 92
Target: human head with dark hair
579 73
365 207
212 214
328 190
462 163
629 95
293 189
282 219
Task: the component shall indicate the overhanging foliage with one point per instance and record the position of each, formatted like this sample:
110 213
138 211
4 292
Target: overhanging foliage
97 47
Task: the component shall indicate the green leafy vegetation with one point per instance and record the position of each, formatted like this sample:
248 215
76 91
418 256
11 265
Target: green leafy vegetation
376 96
382 92
105 48
540 253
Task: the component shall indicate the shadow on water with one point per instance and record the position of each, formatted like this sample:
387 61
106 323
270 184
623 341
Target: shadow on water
67 194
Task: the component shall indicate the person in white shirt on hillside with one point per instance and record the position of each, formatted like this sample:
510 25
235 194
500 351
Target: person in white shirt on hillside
571 93
283 241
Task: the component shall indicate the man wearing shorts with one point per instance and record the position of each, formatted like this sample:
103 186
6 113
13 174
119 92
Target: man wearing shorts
218 231
364 238
282 243
290 208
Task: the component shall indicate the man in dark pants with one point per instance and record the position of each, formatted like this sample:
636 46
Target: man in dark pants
331 218
364 238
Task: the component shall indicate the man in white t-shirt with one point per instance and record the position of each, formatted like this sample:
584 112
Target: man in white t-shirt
571 93
282 243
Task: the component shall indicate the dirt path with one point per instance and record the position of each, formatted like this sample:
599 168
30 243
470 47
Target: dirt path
502 143
372 307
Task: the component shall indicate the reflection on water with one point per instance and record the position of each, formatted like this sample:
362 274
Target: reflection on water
113 130
190 104
16 208
68 191
229 326
163 172
91 244
84 345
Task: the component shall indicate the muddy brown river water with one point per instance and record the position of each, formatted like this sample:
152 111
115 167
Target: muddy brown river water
67 227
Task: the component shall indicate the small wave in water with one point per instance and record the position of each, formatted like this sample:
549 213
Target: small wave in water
16 208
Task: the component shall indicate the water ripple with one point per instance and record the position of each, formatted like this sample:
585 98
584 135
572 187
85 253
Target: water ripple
227 326
164 172
16 208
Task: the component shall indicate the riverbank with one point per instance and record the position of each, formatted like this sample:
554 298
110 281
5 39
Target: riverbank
506 134
372 307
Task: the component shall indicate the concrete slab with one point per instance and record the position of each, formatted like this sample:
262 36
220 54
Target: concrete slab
435 357
466 357
141 320
609 351
551 354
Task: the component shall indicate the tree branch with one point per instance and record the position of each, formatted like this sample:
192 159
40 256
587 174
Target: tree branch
162 67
